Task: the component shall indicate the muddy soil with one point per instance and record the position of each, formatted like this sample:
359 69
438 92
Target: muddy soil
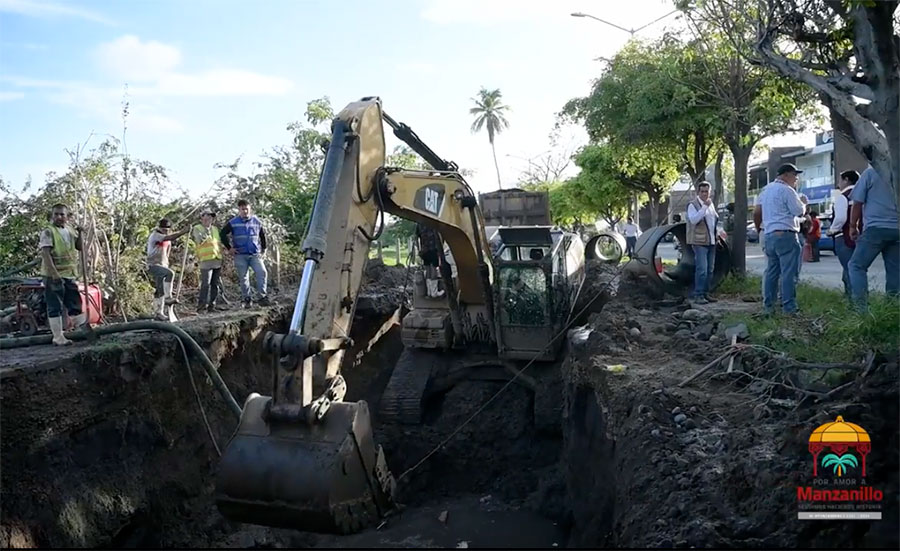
710 464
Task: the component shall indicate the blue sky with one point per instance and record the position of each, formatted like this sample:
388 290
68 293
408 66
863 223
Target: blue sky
210 81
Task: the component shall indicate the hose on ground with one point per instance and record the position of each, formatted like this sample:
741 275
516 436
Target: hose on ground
185 338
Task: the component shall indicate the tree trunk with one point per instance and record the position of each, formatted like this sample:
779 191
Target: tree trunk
496 166
719 188
739 238
380 257
399 263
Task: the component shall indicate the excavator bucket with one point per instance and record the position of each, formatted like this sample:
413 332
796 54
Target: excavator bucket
325 477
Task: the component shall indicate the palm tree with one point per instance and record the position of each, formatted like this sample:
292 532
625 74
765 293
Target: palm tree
489 113
839 464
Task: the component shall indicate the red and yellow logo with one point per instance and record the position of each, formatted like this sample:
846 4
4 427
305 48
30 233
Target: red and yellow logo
839 437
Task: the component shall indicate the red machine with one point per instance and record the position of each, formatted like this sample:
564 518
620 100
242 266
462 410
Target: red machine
31 309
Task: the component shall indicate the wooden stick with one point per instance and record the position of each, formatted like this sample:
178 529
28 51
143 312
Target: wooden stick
181 275
708 366
731 359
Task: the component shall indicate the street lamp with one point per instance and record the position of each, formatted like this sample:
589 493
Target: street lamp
629 31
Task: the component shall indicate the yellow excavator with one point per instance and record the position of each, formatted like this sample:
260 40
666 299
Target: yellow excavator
303 458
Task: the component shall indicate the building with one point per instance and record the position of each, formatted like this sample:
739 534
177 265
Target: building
821 164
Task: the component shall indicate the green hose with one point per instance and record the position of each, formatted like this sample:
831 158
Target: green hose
136 326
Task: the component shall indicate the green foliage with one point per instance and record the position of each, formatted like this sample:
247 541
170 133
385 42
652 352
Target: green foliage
490 113
827 326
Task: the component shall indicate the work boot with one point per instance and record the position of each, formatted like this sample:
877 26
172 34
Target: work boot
167 287
159 309
78 321
247 304
699 300
56 327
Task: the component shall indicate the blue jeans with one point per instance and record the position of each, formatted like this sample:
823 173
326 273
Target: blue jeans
704 264
782 261
873 241
843 253
242 263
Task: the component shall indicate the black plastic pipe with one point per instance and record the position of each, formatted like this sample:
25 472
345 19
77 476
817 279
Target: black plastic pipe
193 345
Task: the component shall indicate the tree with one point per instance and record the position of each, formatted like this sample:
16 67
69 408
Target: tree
489 113
648 94
847 51
601 184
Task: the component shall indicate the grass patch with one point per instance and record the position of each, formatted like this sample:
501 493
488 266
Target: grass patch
389 255
827 329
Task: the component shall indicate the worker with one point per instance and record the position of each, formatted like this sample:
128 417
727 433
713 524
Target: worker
209 253
249 248
631 231
158 244
59 246
429 247
701 236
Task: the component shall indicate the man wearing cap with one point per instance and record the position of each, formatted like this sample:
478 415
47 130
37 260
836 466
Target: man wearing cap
873 202
158 244
778 210
209 253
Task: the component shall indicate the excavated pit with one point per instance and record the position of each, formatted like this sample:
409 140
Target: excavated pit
104 446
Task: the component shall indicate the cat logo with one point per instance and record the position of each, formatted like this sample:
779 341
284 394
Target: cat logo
430 198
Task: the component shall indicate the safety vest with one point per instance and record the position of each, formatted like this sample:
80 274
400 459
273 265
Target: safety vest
245 234
64 255
211 247
698 234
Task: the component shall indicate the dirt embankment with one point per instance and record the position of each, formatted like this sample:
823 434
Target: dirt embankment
714 463
103 444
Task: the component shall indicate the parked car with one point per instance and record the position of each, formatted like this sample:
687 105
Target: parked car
752 234
826 242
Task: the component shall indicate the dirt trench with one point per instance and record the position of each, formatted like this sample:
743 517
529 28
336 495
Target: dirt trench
103 446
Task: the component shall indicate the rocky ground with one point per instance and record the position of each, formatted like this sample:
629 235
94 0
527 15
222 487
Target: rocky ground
713 463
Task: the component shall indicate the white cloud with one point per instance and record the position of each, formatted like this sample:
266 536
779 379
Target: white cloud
152 65
10 96
51 9
220 82
127 58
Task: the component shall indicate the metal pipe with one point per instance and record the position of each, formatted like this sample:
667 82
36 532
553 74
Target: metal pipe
317 234
302 296
189 341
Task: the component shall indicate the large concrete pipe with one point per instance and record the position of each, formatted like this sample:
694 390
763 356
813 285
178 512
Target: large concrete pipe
606 246
677 280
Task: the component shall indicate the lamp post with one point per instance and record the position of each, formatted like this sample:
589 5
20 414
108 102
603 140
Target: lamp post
629 31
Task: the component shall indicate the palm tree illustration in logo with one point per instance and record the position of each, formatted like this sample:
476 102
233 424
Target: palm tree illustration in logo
839 464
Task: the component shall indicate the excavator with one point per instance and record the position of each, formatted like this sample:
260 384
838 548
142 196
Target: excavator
303 458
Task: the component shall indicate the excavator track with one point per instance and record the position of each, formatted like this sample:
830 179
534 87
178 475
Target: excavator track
403 398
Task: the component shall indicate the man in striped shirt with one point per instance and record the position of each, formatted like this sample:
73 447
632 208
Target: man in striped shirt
777 210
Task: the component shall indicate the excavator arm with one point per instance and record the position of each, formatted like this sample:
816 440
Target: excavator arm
304 458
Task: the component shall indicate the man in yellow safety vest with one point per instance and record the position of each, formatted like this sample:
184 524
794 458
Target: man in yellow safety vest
209 254
59 245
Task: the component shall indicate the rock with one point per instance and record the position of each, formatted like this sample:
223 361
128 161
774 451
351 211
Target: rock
690 424
692 314
676 410
706 330
657 391
645 312
655 433
671 327
680 418
715 338
682 334
643 408
693 409
632 323
443 517
740 331
634 332
462 545
665 544
579 335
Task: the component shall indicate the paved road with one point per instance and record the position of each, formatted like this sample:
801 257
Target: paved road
825 273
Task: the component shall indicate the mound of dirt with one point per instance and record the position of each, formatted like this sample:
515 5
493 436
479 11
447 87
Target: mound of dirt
716 462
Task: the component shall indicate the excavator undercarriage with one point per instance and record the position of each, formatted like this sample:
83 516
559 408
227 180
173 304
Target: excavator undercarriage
302 457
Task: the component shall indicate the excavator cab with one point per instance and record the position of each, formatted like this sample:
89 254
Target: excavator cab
541 270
